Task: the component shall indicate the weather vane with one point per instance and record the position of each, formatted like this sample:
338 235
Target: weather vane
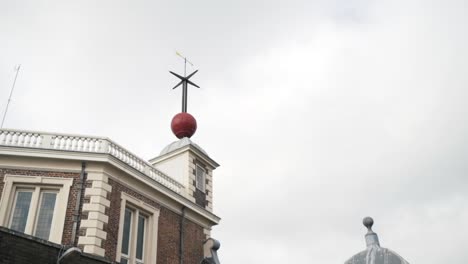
185 62
184 124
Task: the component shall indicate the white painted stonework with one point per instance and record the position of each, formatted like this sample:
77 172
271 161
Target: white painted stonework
176 166
177 160
94 225
83 144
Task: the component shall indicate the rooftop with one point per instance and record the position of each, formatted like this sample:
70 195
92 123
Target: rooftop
85 144
180 144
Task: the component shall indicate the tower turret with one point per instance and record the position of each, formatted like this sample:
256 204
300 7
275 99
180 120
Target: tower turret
186 161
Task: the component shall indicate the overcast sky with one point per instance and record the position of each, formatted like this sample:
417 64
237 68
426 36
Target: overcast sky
319 112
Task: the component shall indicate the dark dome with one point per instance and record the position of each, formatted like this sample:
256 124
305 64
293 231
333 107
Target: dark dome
374 254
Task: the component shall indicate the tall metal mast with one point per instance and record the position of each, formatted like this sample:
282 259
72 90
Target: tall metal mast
11 94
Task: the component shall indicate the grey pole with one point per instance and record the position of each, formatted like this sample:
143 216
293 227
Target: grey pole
184 97
11 93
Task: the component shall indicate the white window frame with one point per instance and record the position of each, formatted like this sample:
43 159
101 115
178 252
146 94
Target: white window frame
34 206
203 183
151 229
37 184
122 255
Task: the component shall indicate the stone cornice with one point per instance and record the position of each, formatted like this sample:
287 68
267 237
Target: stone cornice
197 213
193 149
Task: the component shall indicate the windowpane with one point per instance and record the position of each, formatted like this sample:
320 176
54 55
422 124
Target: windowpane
46 213
140 237
123 261
21 210
126 231
200 178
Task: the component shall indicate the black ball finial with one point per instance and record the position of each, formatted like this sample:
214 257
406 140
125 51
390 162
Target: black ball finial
368 222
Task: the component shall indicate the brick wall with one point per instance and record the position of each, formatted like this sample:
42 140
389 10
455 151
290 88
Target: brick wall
67 231
193 243
18 248
168 230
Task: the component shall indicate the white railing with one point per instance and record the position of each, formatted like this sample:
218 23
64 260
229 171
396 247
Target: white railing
30 139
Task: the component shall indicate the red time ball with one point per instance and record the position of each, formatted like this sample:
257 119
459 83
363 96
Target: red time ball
183 125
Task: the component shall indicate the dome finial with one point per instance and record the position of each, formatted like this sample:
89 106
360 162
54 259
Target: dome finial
368 222
371 238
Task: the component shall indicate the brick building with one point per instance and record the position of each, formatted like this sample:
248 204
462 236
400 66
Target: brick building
93 194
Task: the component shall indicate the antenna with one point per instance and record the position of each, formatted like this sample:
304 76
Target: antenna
11 93
185 62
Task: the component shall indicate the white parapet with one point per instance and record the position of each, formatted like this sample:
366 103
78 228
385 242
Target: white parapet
89 144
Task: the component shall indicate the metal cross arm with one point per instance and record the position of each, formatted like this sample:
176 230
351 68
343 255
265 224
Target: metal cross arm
184 81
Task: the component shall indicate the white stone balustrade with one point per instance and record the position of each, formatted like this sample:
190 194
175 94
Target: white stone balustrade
78 143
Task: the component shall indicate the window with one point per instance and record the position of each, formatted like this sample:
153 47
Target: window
200 178
30 205
137 232
21 210
45 215
133 240
30 202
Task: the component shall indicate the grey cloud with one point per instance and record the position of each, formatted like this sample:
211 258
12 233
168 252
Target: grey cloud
320 112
